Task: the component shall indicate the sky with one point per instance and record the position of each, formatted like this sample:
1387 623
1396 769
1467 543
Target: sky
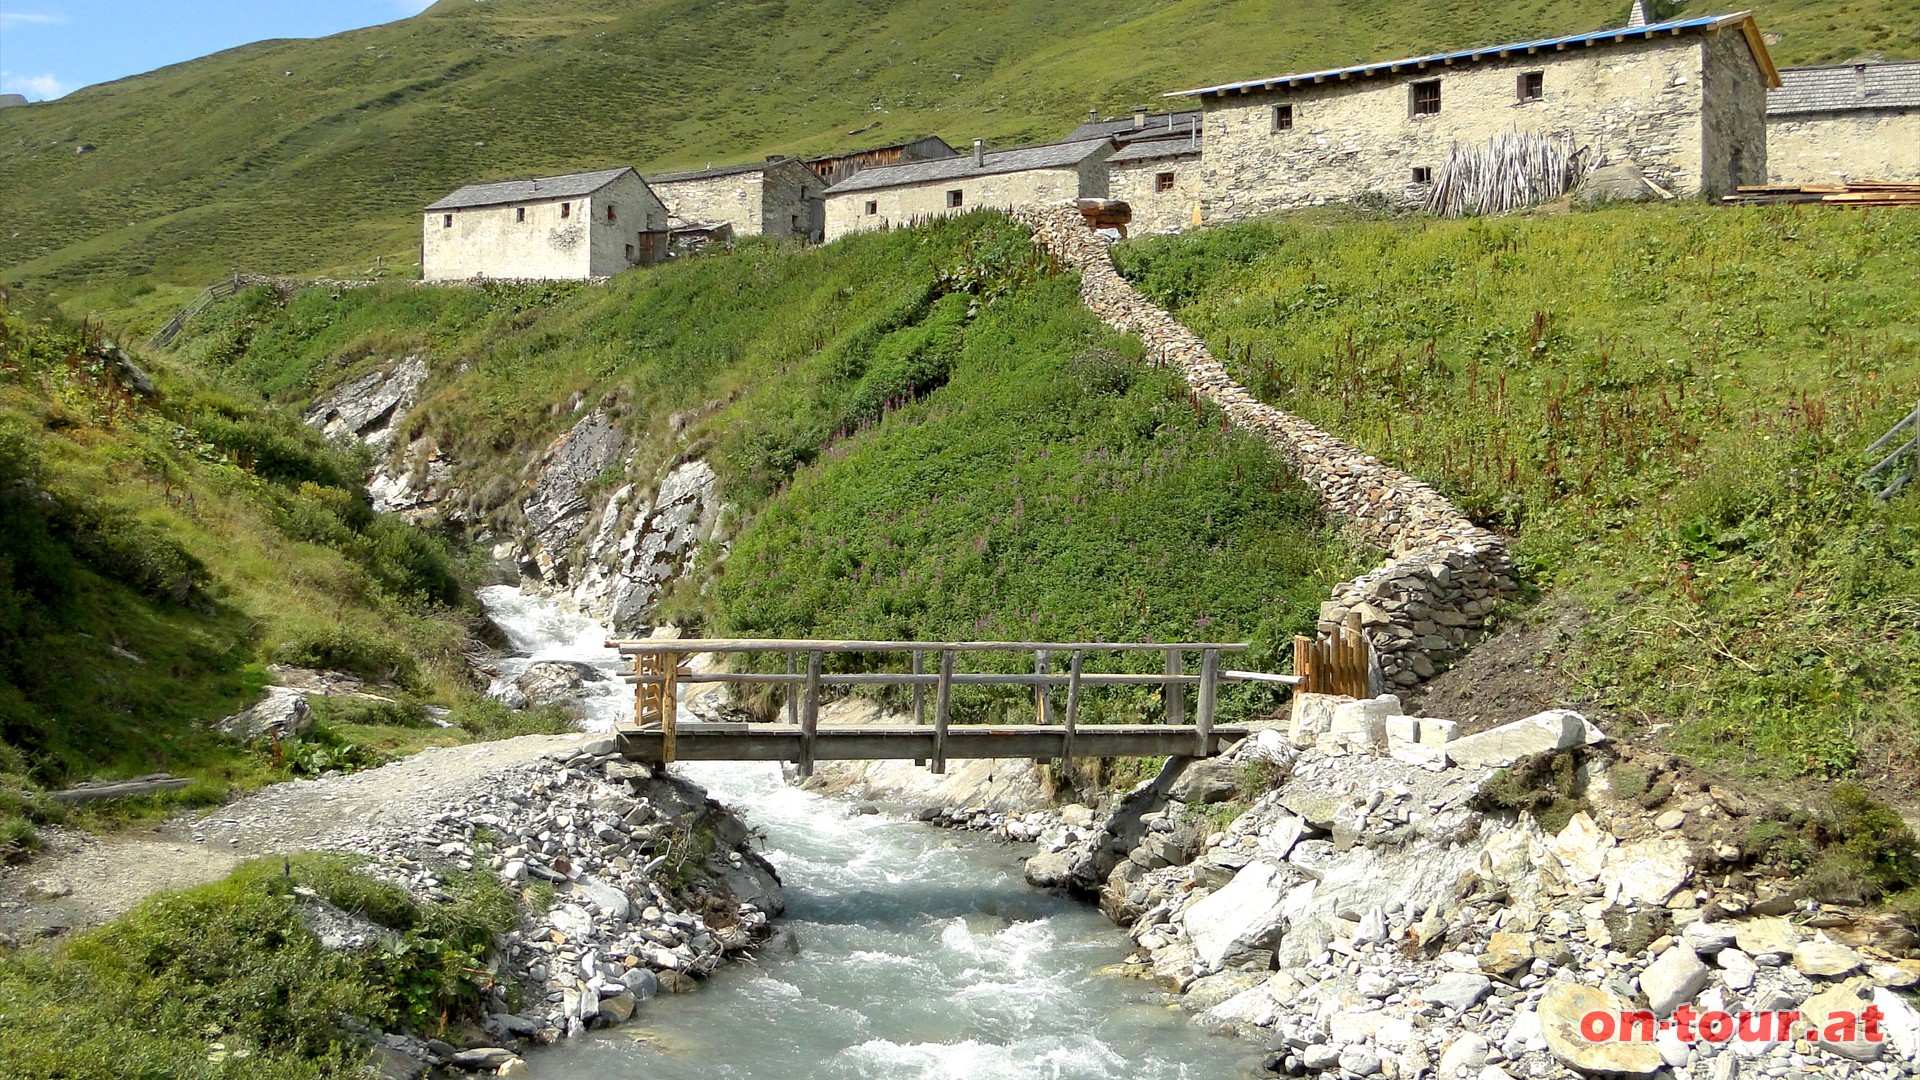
51 47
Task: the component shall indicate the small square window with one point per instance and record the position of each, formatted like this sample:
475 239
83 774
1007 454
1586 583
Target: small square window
566 209
1283 118
610 216
1163 182
954 198
1532 85
629 252
519 213
446 221
873 207
1422 174
1426 98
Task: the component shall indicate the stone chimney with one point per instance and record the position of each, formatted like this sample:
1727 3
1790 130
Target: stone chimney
1139 117
979 153
1093 116
1639 15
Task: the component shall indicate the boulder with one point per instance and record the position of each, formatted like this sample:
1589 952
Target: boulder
1582 848
1900 1022
1247 913
1672 980
1710 938
1464 1056
545 682
1211 781
1649 871
1621 181
1312 717
1559 729
1826 960
282 714
1436 732
1773 938
1363 723
1561 1009
481 1058
1458 990
1831 1021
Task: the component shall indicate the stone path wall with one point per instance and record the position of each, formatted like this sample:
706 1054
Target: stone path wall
1444 573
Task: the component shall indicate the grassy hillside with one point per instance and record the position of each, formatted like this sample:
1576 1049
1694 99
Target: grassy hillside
314 156
920 433
157 553
1669 406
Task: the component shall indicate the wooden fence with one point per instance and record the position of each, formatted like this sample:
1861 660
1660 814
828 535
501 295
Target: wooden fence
1341 663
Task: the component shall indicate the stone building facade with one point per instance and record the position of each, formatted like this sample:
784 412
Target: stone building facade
1160 180
1684 101
780 197
583 225
899 195
1848 122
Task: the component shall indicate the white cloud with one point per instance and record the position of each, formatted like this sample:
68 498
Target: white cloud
38 87
26 18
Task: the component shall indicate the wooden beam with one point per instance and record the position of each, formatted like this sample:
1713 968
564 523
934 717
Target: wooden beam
793 694
1073 711
919 696
1043 704
810 714
781 742
942 707
1175 693
1203 709
700 645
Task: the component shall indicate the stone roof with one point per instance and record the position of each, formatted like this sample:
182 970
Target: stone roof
723 170
1064 155
1846 87
1122 128
518 191
1704 24
1154 149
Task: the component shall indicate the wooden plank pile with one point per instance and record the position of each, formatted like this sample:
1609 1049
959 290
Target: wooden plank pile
1854 193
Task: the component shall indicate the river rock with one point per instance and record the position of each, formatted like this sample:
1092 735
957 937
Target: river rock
1248 913
1649 871
282 714
1767 938
545 682
1900 1022
1210 781
1458 990
1830 1020
1582 848
481 1058
1710 938
1561 1009
1672 980
1826 960
1359 1061
1463 1056
1559 729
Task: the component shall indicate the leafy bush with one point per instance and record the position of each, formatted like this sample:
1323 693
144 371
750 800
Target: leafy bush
339 647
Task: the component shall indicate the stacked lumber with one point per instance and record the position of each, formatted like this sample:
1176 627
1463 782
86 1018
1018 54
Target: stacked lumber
1854 193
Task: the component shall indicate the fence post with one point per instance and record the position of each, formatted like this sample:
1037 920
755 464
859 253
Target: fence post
793 690
810 716
1043 693
1203 718
1176 694
1073 711
1303 664
919 696
942 703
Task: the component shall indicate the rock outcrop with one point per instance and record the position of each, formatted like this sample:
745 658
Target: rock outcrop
559 504
625 571
282 714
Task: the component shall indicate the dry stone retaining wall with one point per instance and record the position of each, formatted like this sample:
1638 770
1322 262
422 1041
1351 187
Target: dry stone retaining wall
1444 574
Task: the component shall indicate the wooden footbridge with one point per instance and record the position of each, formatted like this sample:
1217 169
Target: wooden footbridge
1059 669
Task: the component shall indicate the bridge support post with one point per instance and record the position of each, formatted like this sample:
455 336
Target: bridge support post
1073 711
919 697
1043 694
1175 694
793 690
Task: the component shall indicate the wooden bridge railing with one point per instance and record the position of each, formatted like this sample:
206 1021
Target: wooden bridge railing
658 673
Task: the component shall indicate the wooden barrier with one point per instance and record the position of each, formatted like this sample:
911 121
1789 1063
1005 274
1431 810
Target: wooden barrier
1341 663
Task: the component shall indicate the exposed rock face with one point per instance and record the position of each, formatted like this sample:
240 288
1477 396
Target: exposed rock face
621 582
546 682
371 407
282 714
558 507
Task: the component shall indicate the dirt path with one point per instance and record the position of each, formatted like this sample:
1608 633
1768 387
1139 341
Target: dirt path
81 879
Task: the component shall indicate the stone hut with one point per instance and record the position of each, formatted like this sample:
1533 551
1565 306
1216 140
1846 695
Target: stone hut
834 168
583 225
779 197
896 195
1684 101
1846 122
1160 180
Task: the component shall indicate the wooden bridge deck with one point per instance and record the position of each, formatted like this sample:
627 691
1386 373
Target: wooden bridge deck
785 742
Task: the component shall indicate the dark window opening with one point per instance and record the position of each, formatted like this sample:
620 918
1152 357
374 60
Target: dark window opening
446 221
1163 182
1532 85
1426 98
1283 118
566 209
872 207
953 198
610 216
1422 174
519 213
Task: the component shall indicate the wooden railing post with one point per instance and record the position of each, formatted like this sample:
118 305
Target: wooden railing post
810 715
1043 694
942 707
1073 711
1303 665
1203 710
919 696
1176 694
793 690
